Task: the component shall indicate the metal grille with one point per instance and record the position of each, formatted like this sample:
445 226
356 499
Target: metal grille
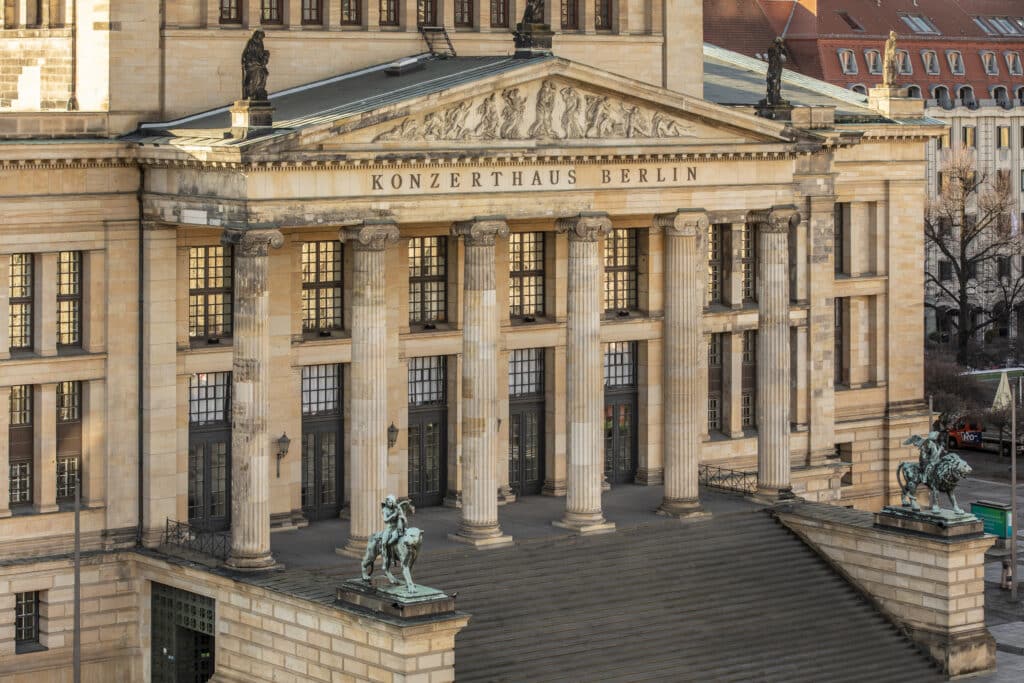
715 382
464 13
312 12
427 379
209 398
210 291
620 364
229 12
388 12
20 485
321 389
270 11
748 407
426 12
190 610
67 476
620 270
69 401
714 413
321 286
748 262
19 324
840 211
748 411
69 298
428 280
350 15
603 15
570 15
729 480
839 350
26 617
499 13
715 270
526 372
526 275
21 405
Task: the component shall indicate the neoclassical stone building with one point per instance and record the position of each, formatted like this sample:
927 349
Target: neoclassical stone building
469 281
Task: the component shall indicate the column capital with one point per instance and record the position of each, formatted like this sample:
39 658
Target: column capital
252 242
586 226
683 223
775 219
481 231
370 235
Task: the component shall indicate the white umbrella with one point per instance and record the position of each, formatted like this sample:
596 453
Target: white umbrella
1003 394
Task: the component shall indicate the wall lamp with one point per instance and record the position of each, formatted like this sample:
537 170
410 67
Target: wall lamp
282 450
392 435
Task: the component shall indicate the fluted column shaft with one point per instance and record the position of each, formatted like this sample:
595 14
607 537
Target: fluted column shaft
479 523
369 378
584 375
250 400
684 358
773 375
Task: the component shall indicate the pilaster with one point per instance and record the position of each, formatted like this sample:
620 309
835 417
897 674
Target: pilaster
733 284
821 325
584 375
479 523
685 394
368 403
250 400
5 425
44 440
94 442
94 302
732 384
45 314
773 354
555 421
5 310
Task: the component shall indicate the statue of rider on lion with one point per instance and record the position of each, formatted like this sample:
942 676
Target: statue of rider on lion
936 468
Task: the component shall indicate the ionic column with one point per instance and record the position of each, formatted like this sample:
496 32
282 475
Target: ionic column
773 359
369 378
250 400
684 389
584 375
479 523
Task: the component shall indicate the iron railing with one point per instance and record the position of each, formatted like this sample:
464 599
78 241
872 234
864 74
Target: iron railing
197 539
729 480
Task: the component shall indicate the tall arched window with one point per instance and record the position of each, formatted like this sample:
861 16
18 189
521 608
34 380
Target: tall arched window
1002 97
941 94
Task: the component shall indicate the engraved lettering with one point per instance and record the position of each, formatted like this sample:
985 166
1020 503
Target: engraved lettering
536 179
496 175
661 176
476 179
414 181
643 175
454 180
572 177
377 184
396 181
435 179
553 176
691 172
517 178
625 176
606 176
675 174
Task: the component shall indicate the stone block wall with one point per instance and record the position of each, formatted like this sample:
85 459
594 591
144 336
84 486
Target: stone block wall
933 588
35 69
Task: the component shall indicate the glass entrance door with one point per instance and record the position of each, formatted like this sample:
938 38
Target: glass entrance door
428 461
209 480
321 471
620 457
526 447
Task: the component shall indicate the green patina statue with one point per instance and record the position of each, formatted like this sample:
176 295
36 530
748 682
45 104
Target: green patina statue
936 468
397 543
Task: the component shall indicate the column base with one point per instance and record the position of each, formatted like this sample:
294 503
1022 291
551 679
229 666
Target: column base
772 495
554 488
252 564
481 536
585 524
506 495
682 509
354 547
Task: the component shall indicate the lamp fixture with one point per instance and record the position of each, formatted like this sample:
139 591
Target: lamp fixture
282 450
392 435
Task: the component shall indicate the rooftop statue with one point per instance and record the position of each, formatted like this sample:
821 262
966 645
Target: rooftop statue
889 64
254 68
777 54
534 12
398 543
936 468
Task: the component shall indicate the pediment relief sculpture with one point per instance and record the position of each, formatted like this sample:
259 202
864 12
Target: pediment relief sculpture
545 111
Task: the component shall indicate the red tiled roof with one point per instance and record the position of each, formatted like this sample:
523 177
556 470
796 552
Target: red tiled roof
739 25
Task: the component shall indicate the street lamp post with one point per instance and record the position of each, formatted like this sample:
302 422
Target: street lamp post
1013 495
76 650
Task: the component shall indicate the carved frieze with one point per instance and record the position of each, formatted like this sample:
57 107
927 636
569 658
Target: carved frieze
546 111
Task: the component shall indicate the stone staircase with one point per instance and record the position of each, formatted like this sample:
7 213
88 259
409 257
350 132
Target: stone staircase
733 598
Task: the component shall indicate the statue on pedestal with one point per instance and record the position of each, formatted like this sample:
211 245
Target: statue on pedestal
254 68
936 468
397 543
777 54
890 66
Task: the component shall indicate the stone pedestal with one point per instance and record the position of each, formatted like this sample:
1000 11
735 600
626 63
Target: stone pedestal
584 376
773 357
251 117
532 40
250 400
395 600
942 524
479 523
684 358
369 379
895 103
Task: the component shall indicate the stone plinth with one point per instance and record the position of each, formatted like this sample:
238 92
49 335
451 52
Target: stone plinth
251 116
395 601
932 586
532 40
943 524
895 103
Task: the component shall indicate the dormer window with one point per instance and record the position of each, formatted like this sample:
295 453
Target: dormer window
903 63
919 23
1005 25
966 95
848 61
1020 97
988 60
984 26
859 89
931 62
874 61
1013 63
914 91
850 21
941 95
956 62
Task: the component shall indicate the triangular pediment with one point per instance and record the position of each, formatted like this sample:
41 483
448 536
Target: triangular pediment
551 104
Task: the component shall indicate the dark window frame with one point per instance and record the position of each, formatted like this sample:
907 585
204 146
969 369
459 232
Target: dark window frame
570 17
69 299
526 373
427 381
621 364
945 270
312 12
716 263
27 617
69 438
352 12
231 11
603 15
21 444
271 12
204 301
526 282
389 14
748 263
748 380
323 286
622 271
716 370
841 375
463 13
499 13
1002 137
428 281
426 13
21 312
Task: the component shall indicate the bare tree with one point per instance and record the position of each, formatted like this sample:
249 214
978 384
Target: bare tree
969 224
956 395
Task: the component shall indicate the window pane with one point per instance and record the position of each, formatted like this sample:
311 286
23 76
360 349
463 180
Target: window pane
26 617
321 389
322 286
21 283
526 372
209 399
620 364
210 293
526 274
428 279
427 378
620 270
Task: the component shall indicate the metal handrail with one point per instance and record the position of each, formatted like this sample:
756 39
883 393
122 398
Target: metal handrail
197 539
729 480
